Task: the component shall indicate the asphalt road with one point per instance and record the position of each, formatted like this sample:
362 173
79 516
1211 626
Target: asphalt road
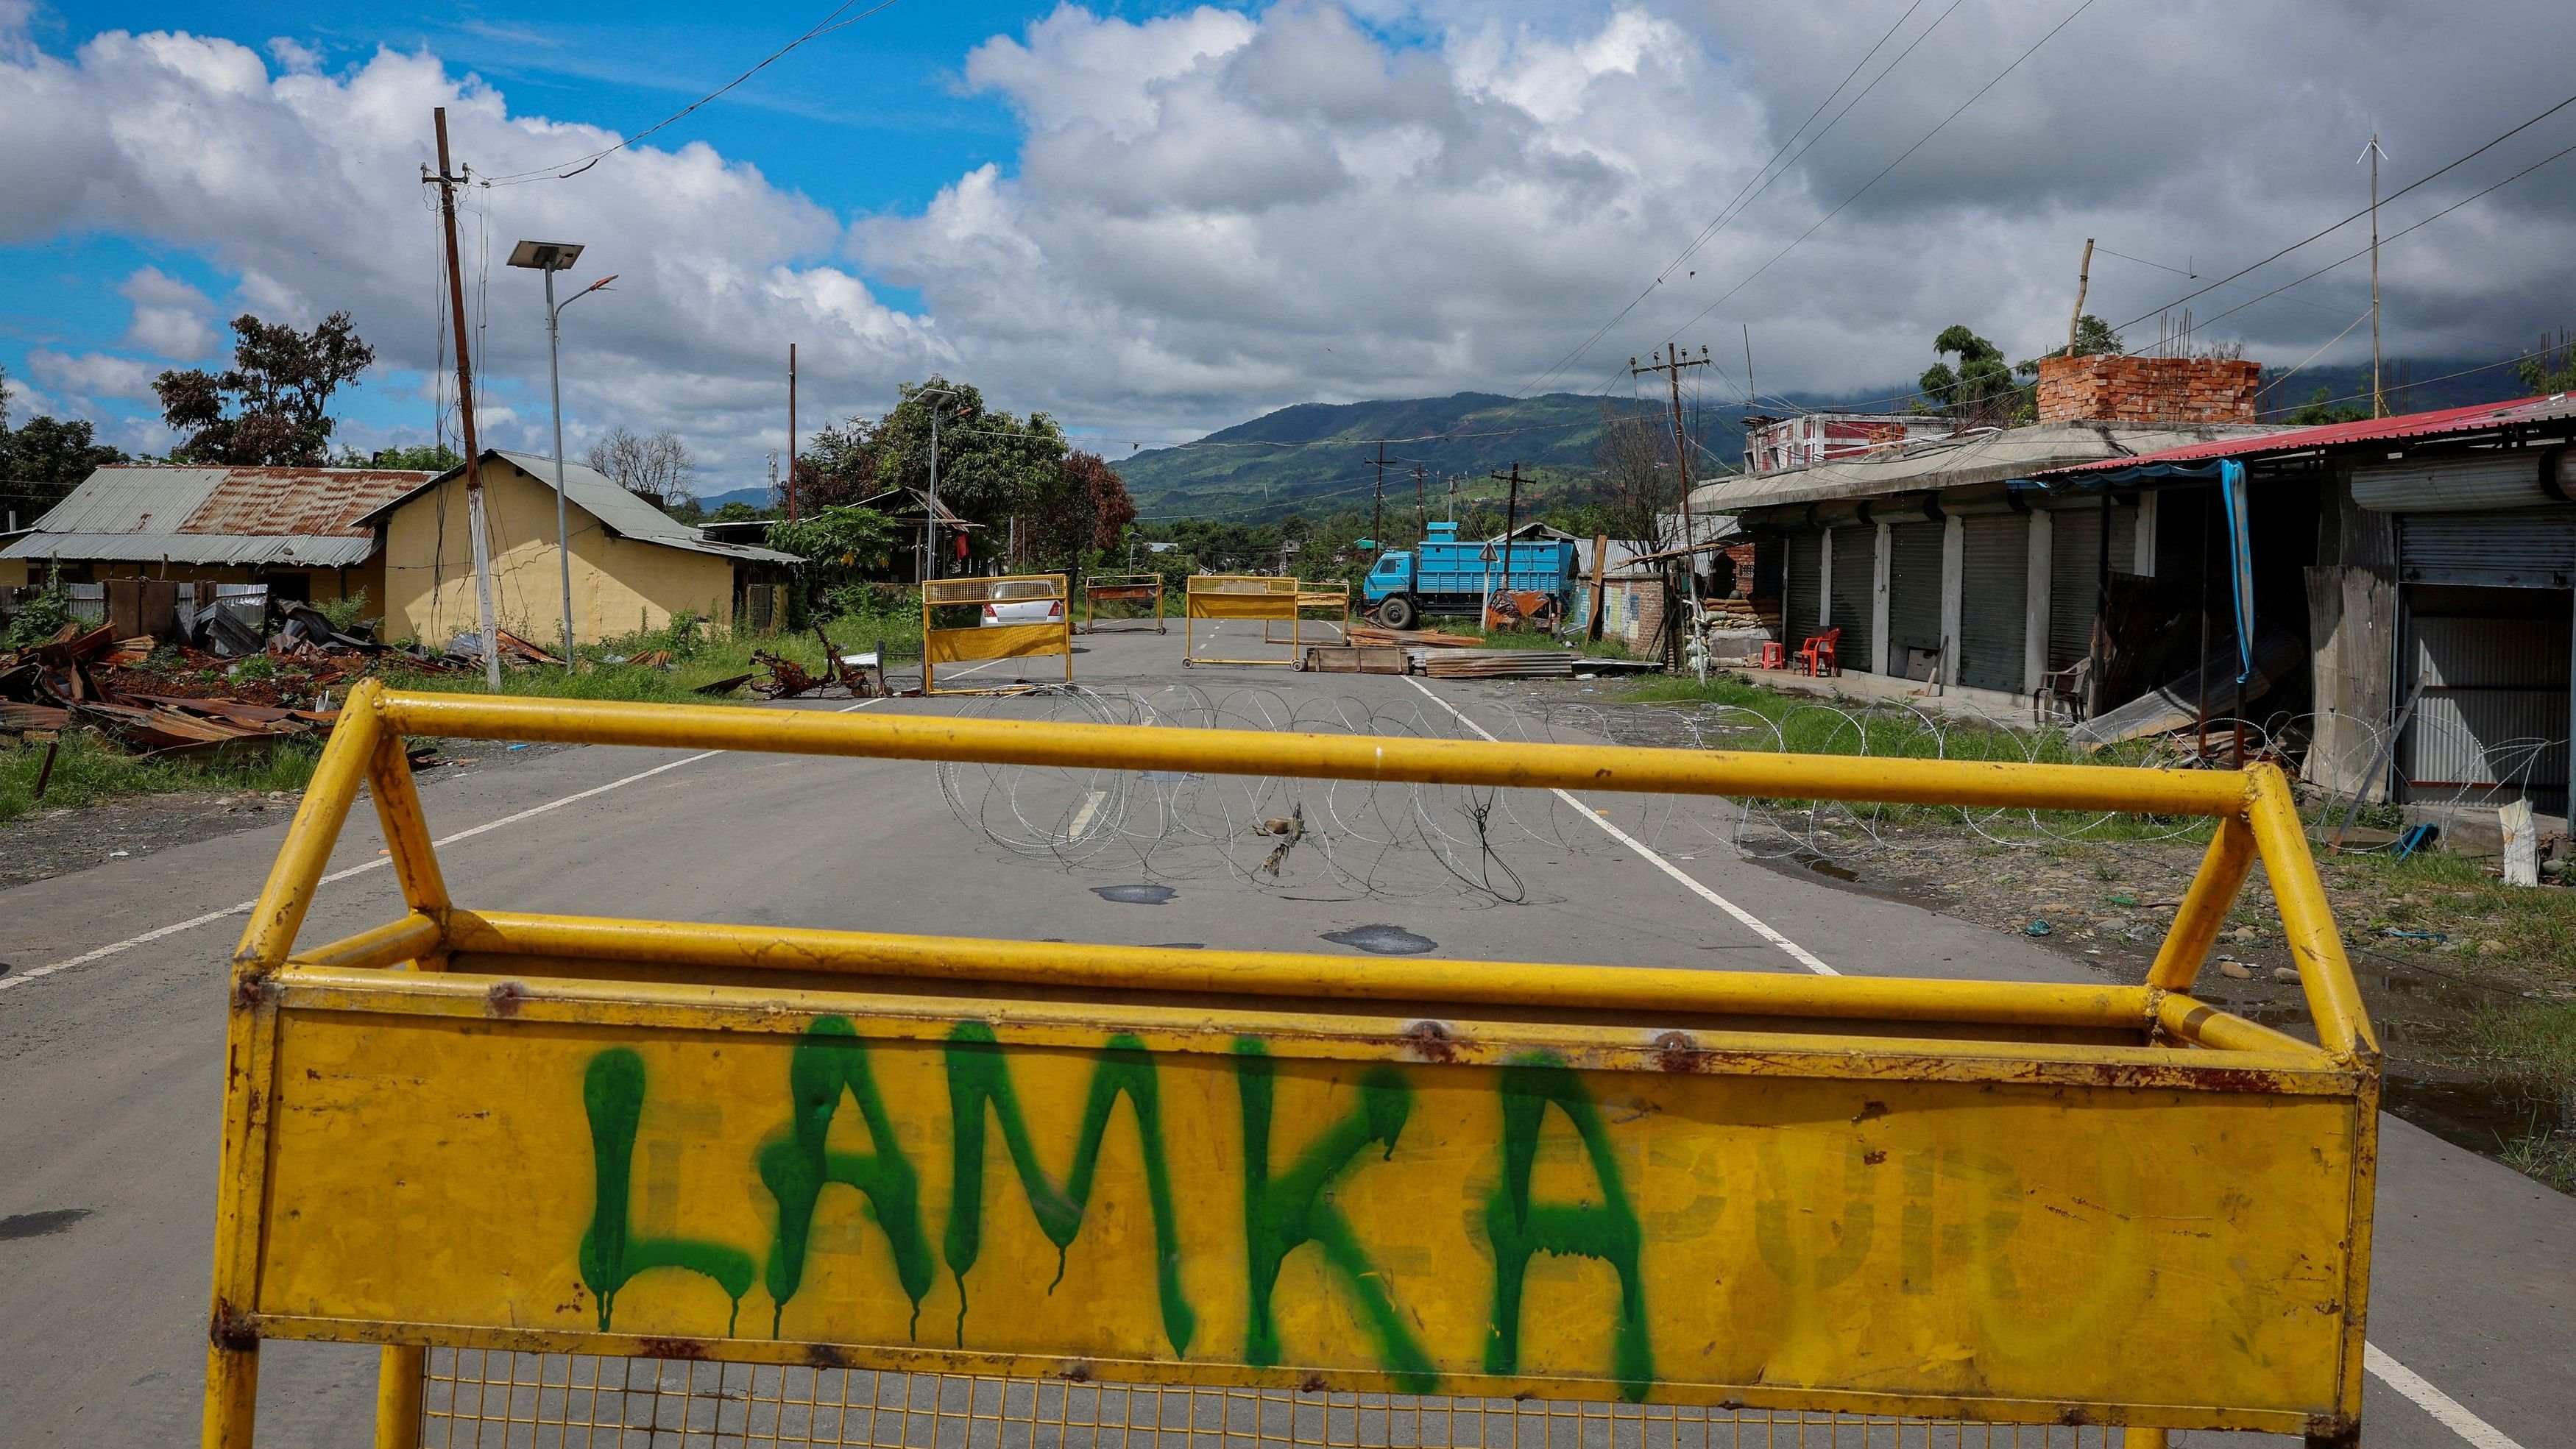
110 1066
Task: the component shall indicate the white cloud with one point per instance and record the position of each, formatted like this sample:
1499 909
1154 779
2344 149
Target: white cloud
1216 212
94 374
170 316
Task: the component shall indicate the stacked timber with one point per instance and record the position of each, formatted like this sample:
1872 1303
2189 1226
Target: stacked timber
1495 663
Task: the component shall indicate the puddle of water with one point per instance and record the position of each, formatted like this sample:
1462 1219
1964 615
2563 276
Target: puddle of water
1135 895
37 1225
1822 866
2480 1116
1382 940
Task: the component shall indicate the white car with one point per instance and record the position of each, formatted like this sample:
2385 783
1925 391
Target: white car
1035 611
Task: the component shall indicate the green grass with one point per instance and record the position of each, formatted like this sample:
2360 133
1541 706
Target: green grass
89 770
2532 1039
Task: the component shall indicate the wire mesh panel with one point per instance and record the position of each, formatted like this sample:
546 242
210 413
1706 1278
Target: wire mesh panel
497 1400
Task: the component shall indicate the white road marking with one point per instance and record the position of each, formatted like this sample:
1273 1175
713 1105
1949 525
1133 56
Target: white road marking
243 907
1753 923
2453 1414
2450 1412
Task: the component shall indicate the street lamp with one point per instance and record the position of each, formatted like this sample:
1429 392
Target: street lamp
550 258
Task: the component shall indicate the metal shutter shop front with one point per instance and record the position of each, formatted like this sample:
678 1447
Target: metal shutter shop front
2530 548
1855 585
1802 592
1994 592
2491 716
2074 584
1913 591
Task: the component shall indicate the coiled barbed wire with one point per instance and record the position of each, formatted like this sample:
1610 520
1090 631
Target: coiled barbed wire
1342 840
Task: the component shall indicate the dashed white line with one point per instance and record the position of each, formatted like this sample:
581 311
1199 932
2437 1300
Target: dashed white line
101 953
1751 922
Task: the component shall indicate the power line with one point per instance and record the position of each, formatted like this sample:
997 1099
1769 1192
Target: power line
579 164
2356 216
1764 177
1890 166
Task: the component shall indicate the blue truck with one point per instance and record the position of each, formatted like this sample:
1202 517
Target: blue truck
1449 576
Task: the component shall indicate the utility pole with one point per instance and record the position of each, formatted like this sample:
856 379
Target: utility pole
1377 510
447 181
2083 284
1751 394
2378 398
1670 362
1511 520
1421 509
791 435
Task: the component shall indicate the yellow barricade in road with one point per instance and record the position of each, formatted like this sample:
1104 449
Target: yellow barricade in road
1099 589
1331 600
1064 1165
1217 597
1020 616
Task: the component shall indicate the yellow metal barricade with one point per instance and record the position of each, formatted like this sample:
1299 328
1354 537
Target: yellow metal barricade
1020 616
1291 1183
1220 597
1332 601
1099 589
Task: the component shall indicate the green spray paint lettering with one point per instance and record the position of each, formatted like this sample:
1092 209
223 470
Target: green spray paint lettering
612 1092
796 1166
978 1075
1519 1228
1284 1213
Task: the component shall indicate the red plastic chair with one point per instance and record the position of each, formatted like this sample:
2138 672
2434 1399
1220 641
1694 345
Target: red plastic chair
1775 655
1818 655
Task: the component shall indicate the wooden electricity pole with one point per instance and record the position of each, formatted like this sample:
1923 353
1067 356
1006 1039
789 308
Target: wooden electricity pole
2378 398
1421 509
1511 520
791 436
1377 510
1670 362
2083 284
447 182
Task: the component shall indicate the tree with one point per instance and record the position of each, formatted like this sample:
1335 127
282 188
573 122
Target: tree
840 540
2093 338
45 458
2552 369
2317 411
270 406
1632 487
990 463
1980 390
657 469
1084 511
425 458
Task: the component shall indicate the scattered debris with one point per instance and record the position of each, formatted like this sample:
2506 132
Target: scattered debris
1497 664
2036 928
787 678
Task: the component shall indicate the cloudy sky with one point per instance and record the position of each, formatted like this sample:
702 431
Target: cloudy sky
1156 221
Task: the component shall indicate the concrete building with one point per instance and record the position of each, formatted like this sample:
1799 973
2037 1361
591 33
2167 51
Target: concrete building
1937 567
633 566
2427 563
304 532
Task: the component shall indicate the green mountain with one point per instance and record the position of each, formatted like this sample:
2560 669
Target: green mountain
1322 457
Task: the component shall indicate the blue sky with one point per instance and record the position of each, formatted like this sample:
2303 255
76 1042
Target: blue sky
1154 222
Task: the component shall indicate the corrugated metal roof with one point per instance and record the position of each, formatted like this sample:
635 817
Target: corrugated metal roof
622 513
1958 462
2483 417
229 550
226 516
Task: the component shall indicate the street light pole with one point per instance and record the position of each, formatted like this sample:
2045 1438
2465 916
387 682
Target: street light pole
550 258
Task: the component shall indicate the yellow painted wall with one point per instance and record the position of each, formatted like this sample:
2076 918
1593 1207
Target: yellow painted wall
325 584
13 573
618 585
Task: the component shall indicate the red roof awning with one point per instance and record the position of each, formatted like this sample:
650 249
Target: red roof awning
2480 418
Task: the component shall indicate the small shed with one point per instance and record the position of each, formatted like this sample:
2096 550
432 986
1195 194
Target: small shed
633 566
304 532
